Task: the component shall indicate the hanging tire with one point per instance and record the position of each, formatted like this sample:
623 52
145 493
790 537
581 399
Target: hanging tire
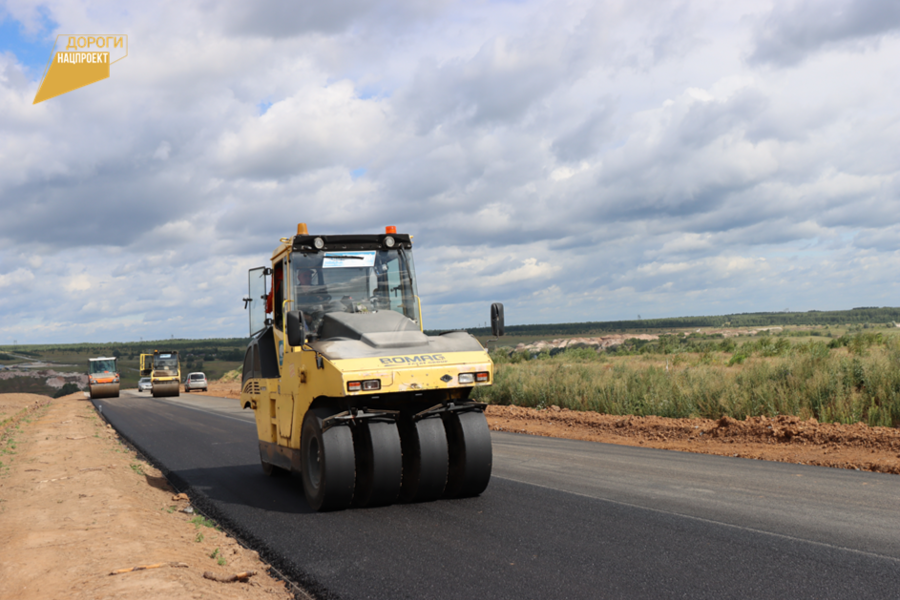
328 464
379 464
469 444
425 459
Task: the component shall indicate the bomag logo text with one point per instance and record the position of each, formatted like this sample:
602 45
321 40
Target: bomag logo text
419 359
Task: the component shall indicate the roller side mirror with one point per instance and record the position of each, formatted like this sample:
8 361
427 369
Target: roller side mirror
497 319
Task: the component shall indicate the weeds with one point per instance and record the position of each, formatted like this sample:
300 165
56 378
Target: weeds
201 520
199 537
137 468
219 558
852 378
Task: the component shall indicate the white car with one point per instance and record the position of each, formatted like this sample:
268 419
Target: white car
195 381
144 384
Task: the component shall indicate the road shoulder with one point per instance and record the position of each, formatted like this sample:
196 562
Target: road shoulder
76 505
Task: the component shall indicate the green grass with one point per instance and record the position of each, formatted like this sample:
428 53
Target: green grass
199 520
846 380
217 554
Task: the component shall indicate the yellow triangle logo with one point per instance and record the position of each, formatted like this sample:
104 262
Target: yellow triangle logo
71 70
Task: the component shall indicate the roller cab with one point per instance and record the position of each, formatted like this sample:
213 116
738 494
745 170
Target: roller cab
347 390
103 377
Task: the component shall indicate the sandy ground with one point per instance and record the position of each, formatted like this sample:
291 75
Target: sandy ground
77 505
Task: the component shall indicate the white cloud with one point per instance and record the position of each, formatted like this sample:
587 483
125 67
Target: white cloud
577 161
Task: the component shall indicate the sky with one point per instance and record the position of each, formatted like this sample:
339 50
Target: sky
575 160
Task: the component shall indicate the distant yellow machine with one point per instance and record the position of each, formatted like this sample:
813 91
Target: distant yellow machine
146 365
103 377
346 388
165 373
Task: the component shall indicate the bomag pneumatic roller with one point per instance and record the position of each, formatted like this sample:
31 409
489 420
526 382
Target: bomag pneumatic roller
347 389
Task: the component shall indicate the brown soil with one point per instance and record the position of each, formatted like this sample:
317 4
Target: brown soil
76 504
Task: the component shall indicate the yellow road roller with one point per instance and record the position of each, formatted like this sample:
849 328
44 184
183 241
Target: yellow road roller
347 389
103 377
165 375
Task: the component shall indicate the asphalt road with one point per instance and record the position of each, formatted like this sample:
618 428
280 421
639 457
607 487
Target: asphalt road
560 519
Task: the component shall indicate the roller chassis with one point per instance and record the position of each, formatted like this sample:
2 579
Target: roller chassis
400 447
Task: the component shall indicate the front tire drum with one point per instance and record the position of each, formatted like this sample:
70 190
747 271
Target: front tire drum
104 390
328 466
379 463
425 459
469 441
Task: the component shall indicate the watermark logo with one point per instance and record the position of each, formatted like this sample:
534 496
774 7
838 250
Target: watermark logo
84 60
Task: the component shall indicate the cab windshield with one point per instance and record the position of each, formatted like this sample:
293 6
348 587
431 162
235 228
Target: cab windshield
104 365
165 362
356 281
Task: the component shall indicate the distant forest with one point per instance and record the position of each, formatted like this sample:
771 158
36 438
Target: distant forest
220 349
873 315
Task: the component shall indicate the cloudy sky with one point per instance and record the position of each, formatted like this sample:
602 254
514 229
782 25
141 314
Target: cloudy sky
576 160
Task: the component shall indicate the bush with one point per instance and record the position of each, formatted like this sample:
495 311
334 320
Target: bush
66 389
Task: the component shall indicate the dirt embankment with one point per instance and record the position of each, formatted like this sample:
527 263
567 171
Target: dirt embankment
77 507
781 439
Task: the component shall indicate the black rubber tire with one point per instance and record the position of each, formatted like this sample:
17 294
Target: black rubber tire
327 463
425 459
379 463
471 456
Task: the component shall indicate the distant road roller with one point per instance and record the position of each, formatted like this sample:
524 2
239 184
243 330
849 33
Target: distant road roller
103 377
346 388
165 376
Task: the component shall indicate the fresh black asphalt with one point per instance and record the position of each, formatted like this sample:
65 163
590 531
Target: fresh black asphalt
516 541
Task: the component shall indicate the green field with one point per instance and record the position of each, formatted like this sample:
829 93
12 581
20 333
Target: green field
840 374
